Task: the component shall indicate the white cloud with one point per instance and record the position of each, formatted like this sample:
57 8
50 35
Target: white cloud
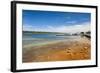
71 22
27 27
63 28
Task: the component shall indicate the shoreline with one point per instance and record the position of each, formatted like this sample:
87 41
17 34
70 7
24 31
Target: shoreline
44 42
79 49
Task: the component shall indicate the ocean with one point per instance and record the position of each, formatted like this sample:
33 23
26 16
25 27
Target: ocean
37 39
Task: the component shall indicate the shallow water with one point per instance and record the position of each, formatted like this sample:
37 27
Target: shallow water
34 39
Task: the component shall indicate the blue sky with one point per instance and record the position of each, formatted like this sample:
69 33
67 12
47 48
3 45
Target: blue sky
52 21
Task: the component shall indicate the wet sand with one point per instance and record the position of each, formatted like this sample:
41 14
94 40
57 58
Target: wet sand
79 49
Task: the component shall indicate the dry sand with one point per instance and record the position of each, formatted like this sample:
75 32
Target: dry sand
79 49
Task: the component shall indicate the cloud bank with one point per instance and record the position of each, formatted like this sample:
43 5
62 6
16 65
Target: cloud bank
62 28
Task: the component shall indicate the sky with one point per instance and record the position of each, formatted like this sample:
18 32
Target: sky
52 21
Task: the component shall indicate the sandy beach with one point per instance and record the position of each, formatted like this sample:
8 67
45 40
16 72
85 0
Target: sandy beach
79 49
